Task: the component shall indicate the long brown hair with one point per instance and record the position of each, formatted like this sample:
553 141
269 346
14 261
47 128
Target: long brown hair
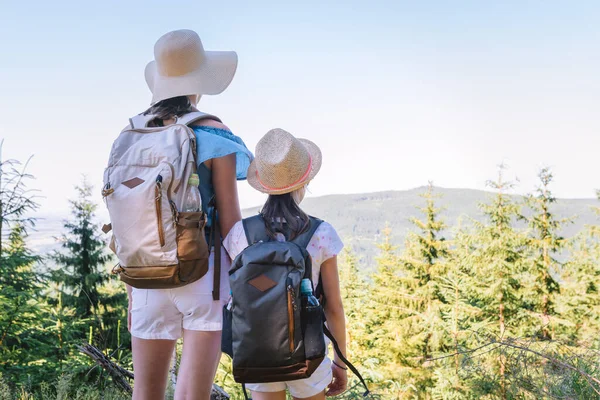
170 108
283 209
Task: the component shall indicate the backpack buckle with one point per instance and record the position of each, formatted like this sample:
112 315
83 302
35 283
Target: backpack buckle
117 269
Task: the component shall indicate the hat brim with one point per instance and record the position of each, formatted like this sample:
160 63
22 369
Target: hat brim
212 77
317 160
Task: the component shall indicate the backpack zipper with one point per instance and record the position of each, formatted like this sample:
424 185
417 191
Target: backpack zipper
158 206
291 308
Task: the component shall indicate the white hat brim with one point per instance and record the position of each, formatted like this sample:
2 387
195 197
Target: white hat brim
212 77
317 161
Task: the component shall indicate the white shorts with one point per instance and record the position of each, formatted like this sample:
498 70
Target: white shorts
163 313
301 388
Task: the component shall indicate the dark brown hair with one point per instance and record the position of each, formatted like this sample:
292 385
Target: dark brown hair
282 208
169 108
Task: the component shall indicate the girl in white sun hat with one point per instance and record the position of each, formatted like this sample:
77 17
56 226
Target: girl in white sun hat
283 167
181 72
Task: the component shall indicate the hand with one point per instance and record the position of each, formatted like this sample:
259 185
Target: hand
339 383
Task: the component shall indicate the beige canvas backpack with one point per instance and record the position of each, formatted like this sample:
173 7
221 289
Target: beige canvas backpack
145 185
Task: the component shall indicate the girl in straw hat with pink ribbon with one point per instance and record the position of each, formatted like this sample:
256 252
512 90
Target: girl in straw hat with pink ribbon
181 72
283 166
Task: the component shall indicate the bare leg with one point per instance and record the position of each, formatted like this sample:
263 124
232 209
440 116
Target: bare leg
199 362
320 396
151 359
268 395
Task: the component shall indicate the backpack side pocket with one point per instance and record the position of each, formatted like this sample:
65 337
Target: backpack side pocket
192 249
312 332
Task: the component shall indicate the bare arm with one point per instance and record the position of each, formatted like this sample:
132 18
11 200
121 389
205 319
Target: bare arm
334 310
225 184
336 321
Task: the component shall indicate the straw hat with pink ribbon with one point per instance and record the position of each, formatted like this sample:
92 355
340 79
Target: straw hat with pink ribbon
283 163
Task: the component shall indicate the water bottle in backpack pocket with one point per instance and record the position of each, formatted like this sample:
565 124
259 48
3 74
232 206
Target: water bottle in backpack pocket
312 322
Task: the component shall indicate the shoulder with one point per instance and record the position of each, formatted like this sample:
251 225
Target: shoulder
211 123
325 243
325 229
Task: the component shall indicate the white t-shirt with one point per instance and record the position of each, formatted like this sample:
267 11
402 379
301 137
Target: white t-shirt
324 244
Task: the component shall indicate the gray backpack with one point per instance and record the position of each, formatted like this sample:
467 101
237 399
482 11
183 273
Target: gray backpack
270 334
272 338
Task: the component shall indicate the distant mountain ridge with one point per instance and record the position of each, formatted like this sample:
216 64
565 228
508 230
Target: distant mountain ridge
360 218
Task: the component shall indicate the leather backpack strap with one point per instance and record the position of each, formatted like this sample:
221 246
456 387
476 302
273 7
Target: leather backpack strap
215 240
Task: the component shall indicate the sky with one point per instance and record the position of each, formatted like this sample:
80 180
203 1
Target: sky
396 93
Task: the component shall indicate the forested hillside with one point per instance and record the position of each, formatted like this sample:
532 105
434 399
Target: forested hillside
503 303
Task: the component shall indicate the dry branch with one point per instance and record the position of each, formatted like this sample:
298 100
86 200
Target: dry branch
120 375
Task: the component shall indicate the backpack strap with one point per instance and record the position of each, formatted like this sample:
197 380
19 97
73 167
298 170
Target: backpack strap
215 240
142 121
352 368
195 116
303 239
254 228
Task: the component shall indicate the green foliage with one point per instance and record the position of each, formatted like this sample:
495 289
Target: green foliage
83 286
545 243
508 307
41 319
20 304
65 387
82 263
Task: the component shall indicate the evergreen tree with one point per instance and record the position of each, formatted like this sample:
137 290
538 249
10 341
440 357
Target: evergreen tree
354 292
83 280
423 264
493 252
580 299
544 244
82 264
384 310
20 313
497 257
19 285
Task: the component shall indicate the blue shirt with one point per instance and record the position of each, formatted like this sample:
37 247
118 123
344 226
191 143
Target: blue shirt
214 143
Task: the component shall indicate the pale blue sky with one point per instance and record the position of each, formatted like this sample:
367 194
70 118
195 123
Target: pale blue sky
396 93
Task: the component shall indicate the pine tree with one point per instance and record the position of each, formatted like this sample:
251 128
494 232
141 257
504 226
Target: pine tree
384 309
83 261
19 284
358 304
84 281
354 292
544 244
19 307
423 263
580 297
493 252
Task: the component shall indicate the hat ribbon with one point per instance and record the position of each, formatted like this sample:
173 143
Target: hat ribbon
306 174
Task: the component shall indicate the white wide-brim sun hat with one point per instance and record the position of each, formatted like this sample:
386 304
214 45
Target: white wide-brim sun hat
182 67
283 163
